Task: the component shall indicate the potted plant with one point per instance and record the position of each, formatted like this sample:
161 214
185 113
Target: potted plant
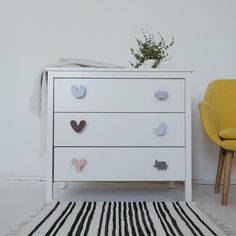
151 52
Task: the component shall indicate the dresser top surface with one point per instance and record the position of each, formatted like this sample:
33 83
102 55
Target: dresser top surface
127 70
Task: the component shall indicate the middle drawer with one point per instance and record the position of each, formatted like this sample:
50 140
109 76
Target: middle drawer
119 129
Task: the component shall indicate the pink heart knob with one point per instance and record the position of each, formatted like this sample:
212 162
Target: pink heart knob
79 164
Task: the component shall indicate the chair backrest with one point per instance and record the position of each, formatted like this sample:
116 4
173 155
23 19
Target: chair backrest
221 97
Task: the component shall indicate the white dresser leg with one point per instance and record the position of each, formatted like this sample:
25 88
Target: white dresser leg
172 185
188 191
49 190
63 185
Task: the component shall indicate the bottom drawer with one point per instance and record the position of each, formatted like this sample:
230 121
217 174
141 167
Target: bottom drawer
119 164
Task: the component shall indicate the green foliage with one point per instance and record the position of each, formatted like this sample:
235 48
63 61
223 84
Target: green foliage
150 49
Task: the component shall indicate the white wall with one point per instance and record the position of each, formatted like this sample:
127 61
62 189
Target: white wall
36 33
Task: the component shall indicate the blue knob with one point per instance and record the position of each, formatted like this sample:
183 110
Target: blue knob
161 129
78 92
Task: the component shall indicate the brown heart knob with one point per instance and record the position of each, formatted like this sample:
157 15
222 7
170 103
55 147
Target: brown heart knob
77 128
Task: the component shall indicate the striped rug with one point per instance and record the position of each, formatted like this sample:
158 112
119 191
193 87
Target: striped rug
120 218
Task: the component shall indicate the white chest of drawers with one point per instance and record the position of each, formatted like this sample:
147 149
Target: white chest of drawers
118 125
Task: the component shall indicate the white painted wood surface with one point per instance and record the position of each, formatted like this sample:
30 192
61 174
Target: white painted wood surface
49 151
119 164
125 129
188 135
120 95
121 111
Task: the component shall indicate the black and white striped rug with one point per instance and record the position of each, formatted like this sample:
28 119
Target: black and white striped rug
120 218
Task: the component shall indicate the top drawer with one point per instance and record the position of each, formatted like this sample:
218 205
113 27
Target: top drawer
119 95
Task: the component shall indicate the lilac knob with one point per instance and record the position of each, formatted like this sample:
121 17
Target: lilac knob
161 94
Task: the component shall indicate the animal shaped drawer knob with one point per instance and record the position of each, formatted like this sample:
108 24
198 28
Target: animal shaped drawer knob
78 164
77 127
161 94
160 165
78 92
161 129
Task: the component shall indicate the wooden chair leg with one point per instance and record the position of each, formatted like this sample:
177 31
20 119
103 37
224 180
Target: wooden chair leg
219 170
227 172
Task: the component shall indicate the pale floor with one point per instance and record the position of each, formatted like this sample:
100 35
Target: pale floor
19 199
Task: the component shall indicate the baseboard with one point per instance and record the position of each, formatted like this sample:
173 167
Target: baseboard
210 182
22 178
32 178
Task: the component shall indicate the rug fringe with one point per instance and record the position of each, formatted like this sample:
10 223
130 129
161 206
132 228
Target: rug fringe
18 228
216 221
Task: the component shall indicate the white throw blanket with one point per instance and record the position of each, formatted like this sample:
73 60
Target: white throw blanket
38 100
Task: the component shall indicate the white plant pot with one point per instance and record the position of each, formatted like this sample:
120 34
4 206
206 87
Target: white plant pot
163 65
148 63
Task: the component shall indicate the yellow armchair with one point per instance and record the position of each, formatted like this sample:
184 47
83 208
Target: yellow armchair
218 116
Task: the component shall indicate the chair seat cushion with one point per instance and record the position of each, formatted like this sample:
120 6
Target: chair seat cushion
228 133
